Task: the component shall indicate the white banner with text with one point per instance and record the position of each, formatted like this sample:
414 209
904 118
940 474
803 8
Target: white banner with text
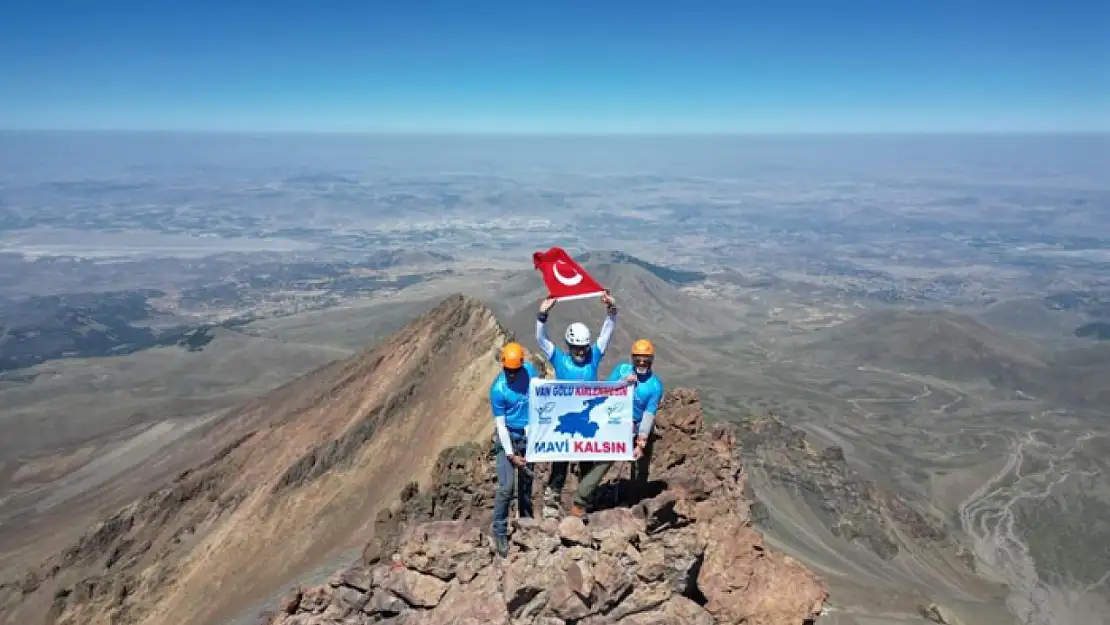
579 421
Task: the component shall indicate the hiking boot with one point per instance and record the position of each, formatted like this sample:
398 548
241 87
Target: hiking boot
577 510
501 545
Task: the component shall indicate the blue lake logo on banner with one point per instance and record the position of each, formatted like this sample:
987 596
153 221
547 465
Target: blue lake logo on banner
543 413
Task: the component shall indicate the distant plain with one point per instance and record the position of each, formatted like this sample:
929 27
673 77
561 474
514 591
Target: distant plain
778 276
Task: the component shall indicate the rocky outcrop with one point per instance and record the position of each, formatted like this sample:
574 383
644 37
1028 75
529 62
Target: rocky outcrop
686 554
851 506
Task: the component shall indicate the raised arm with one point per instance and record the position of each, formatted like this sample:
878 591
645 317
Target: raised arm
606 333
545 344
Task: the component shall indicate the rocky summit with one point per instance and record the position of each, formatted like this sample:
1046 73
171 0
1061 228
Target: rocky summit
684 552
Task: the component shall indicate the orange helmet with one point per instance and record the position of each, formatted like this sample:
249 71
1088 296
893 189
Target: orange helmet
643 347
512 356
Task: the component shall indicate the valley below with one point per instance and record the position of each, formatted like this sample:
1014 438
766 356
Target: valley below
912 362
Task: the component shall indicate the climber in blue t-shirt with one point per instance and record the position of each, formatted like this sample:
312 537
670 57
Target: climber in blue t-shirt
508 400
580 361
645 402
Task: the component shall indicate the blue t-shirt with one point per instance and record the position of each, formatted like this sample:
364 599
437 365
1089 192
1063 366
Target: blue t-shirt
567 369
649 390
510 400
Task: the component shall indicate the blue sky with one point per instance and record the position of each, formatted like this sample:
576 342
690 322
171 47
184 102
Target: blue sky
561 67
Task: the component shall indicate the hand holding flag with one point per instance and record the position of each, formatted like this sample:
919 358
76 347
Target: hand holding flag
565 279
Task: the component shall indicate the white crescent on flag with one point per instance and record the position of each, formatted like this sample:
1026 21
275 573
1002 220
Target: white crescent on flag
565 280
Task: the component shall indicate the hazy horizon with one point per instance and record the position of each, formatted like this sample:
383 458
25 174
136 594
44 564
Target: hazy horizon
620 67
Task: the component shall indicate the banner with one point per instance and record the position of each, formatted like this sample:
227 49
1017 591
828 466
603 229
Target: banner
579 421
565 279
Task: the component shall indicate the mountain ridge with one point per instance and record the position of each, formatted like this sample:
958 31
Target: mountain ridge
678 277
308 470
957 347
307 465
329 424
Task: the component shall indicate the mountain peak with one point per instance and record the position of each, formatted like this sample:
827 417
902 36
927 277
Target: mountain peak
597 258
686 554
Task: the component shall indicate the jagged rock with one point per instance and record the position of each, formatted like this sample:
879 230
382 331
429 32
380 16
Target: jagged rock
686 555
613 580
616 528
652 563
642 598
417 589
737 580
315 599
477 603
573 531
291 601
345 600
535 535
580 578
356 577
383 602
938 614
564 603
679 609
527 579
444 549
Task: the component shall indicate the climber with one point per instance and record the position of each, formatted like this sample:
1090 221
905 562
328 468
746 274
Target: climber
508 399
645 401
580 361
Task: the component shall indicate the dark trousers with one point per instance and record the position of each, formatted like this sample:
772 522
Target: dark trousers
509 475
558 477
590 475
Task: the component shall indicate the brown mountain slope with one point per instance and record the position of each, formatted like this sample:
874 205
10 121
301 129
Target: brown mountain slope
687 555
937 343
959 348
878 552
299 476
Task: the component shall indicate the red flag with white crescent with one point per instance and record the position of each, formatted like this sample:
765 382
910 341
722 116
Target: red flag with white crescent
565 279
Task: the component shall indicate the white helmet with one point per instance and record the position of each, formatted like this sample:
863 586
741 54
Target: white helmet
578 335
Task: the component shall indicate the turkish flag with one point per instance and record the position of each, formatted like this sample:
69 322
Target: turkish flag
565 279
